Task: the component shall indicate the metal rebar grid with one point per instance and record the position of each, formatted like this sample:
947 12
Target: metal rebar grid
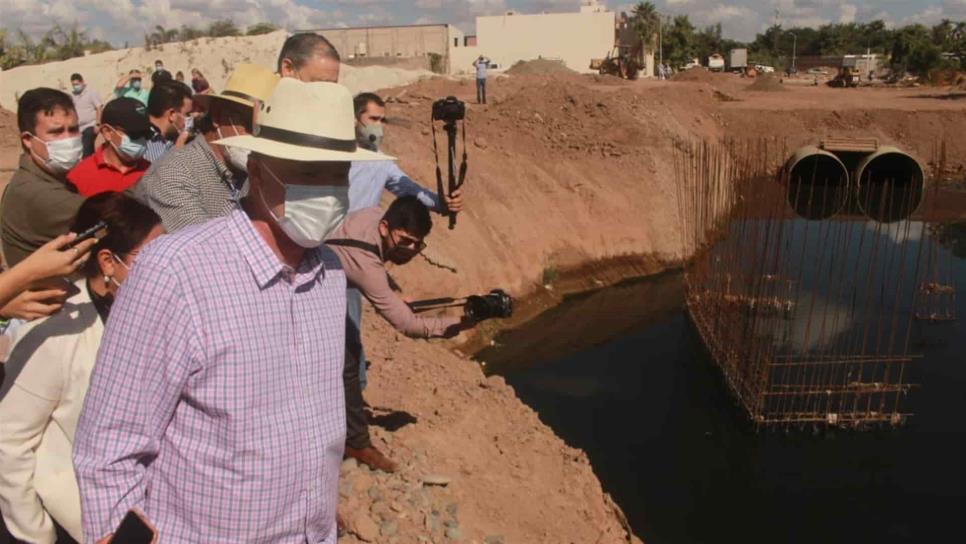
804 283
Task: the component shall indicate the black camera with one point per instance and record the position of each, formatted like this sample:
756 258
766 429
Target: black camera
449 110
496 303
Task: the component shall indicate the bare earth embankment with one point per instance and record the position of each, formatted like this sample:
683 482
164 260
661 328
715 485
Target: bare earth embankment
571 183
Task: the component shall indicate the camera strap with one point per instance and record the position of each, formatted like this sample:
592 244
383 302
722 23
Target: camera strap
357 244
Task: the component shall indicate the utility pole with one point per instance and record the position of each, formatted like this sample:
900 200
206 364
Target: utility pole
660 38
794 50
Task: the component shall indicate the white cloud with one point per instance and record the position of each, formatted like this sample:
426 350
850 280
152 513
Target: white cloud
847 13
128 20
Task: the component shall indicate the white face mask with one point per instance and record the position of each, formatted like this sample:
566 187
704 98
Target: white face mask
237 157
311 211
62 155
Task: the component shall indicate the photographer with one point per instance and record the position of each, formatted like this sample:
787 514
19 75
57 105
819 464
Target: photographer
365 241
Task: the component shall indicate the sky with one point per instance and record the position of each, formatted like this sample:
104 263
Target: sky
120 21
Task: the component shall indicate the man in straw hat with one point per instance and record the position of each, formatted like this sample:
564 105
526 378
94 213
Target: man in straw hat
204 180
217 406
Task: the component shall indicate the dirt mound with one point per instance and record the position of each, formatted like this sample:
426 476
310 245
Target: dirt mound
539 67
8 128
694 74
768 83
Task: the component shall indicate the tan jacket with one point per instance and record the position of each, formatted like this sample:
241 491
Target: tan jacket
366 271
46 380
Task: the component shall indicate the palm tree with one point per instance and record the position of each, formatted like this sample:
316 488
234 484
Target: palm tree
646 21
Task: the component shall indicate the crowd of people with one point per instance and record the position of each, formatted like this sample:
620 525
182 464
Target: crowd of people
196 357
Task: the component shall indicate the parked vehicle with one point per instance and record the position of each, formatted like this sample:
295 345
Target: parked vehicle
716 63
738 60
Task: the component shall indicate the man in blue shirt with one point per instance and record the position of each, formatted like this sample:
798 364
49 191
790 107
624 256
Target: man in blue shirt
368 179
481 64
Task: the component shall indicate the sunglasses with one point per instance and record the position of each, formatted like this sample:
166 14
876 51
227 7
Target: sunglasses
409 243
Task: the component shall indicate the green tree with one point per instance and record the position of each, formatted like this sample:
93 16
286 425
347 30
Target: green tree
187 33
913 51
222 28
260 28
679 41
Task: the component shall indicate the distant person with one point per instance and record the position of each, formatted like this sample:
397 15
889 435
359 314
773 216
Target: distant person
39 204
179 76
198 82
130 86
48 370
204 180
88 105
169 110
119 163
309 57
160 73
481 64
365 242
216 406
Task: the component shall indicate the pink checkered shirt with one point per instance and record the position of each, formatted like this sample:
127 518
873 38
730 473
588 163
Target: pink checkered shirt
216 404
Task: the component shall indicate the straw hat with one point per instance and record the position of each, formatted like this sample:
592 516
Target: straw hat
248 83
306 122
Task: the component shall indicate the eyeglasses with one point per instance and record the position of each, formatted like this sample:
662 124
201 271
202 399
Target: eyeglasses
410 243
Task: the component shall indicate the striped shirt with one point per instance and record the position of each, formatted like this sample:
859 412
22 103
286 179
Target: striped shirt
158 145
216 405
190 186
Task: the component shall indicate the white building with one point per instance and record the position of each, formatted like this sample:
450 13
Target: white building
574 38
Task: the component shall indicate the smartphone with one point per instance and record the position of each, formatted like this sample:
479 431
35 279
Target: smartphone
98 231
134 529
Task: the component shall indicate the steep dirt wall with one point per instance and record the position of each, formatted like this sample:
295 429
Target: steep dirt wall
569 170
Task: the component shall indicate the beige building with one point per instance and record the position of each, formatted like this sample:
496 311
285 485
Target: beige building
574 38
411 46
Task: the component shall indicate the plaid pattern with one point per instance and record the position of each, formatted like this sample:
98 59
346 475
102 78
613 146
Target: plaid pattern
189 186
216 405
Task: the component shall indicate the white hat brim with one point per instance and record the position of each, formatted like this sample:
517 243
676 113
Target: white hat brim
292 152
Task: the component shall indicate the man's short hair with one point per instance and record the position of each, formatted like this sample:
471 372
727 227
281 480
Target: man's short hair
76 77
159 62
409 214
299 48
362 101
165 95
41 99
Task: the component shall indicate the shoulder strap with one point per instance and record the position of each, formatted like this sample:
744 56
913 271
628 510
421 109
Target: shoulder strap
358 244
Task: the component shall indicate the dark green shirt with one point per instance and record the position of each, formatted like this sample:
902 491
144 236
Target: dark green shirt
36 208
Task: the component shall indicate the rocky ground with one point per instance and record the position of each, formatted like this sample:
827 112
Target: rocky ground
477 465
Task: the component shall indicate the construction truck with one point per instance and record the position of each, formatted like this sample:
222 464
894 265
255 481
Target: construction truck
626 58
847 76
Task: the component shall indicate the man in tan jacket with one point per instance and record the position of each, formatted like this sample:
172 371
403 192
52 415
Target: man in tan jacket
365 241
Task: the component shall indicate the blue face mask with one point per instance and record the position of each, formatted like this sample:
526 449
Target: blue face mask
129 149
136 84
78 88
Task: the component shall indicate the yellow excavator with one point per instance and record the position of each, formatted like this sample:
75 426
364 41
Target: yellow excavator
626 59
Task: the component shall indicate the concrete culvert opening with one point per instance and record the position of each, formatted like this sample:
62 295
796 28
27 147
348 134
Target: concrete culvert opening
817 183
890 185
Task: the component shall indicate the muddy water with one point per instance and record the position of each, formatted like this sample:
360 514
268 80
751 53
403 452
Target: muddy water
621 374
